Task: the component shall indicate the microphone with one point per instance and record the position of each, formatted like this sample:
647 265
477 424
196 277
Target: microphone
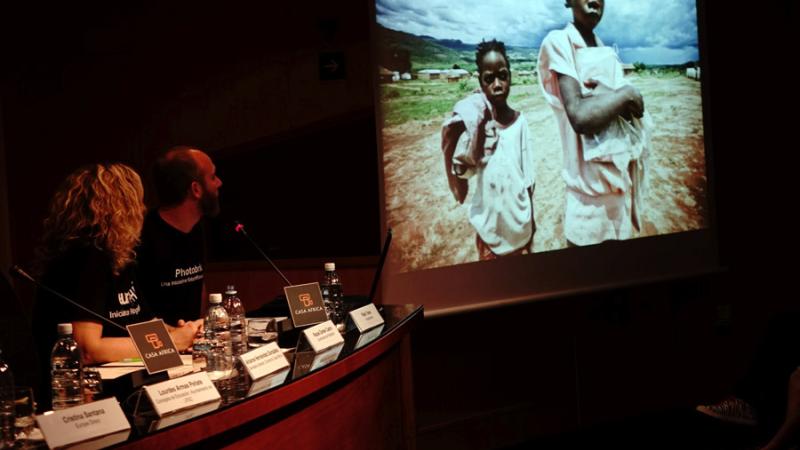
381 261
20 273
239 228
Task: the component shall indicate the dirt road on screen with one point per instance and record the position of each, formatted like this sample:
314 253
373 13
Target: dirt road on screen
432 230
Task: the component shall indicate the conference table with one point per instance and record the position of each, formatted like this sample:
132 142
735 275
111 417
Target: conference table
359 397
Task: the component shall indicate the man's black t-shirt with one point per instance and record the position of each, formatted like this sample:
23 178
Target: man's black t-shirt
171 267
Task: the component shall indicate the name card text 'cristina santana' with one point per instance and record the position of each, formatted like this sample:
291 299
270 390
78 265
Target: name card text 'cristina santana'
83 422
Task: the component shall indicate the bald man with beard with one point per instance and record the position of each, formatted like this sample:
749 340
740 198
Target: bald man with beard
171 257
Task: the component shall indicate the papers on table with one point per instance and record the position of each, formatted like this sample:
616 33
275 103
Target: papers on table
116 369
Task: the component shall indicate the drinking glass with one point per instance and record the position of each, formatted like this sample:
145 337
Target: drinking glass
6 417
92 384
24 410
260 331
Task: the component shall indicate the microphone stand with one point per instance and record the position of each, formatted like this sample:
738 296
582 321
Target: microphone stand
16 270
240 229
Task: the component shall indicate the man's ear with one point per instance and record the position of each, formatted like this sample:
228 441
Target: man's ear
197 190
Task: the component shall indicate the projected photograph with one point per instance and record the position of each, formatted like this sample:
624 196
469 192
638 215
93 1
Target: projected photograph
554 141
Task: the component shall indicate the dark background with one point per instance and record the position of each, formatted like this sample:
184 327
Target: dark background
319 199
82 83
86 83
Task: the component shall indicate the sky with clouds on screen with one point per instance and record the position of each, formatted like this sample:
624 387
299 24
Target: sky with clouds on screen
649 31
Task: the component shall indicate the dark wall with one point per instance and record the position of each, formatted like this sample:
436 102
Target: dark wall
81 84
311 194
85 83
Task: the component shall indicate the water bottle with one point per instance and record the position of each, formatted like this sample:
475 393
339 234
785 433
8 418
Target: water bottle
66 375
218 334
235 309
200 351
6 405
332 293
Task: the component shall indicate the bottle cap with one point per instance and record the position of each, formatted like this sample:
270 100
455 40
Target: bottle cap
215 298
329 266
65 328
230 290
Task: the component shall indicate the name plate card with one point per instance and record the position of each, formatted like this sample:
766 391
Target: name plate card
264 360
321 337
366 318
305 304
181 393
82 423
155 346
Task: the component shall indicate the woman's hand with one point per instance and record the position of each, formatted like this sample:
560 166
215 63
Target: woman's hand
183 335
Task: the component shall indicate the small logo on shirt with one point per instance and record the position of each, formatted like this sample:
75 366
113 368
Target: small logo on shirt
189 271
184 275
125 298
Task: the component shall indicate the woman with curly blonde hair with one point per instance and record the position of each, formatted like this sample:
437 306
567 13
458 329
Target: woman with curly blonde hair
100 204
87 254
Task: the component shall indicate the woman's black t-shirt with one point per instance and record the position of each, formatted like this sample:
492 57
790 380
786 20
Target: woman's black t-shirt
84 274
